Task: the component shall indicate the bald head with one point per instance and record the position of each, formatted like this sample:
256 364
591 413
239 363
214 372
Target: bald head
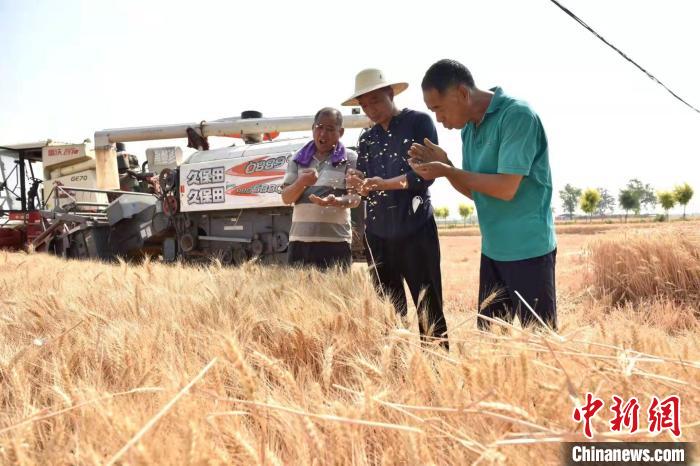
329 112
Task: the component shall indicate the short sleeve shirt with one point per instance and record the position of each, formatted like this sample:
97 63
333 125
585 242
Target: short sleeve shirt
511 140
314 223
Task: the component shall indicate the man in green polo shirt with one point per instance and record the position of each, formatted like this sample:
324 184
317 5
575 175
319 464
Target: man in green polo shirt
505 170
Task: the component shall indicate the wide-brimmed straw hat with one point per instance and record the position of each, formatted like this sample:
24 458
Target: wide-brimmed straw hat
370 80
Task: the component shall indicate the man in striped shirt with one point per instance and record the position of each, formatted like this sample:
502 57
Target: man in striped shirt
315 183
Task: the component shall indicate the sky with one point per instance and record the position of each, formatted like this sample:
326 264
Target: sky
72 67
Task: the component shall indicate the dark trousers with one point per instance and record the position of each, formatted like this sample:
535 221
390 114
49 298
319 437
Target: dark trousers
415 259
321 254
533 278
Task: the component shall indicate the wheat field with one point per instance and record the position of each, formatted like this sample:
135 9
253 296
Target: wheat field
171 364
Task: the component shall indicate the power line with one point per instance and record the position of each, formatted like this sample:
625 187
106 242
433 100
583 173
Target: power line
651 76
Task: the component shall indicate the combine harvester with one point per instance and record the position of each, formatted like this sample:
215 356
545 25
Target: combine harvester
222 203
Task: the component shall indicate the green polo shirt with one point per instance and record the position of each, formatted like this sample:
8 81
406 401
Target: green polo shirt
511 140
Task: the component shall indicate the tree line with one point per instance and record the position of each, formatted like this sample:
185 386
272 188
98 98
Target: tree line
634 197
465 211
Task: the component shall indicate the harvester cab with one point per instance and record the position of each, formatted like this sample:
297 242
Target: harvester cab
20 193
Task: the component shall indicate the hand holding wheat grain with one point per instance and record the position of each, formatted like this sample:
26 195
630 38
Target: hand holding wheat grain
354 179
428 153
328 201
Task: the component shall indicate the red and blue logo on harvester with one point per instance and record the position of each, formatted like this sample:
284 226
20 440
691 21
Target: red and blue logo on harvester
255 188
261 166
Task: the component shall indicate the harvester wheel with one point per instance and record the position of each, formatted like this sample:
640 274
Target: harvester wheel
227 257
187 242
280 241
256 247
239 256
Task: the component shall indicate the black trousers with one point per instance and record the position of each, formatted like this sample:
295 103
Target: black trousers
321 254
416 259
533 278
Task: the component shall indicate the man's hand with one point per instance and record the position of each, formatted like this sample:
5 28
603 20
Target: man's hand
429 170
375 183
428 153
308 177
354 179
328 201
355 172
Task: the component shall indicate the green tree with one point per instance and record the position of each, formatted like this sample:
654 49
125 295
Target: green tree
466 211
667 200
644 192
628 201
607 202
683 194
569 199
590 202
441 212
